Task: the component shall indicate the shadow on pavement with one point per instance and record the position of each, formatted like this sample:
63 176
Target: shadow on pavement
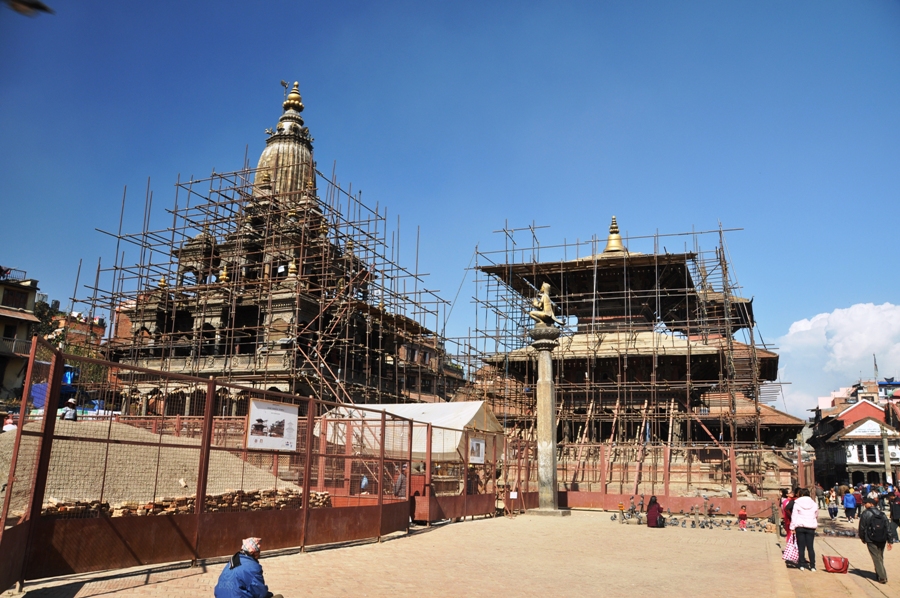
140 578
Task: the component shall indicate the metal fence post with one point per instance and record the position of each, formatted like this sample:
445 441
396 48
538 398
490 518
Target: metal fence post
667 456
39 481
409 456
427 491
43 463
348 459
603 465
494 472
733 476
323 450
409 473
381 474
519 489
23 408
203 467
428 449
506 473
307 468
205 441
465 473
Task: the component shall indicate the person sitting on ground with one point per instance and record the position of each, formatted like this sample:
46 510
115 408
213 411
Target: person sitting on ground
654 512
242 576
8 424
69 412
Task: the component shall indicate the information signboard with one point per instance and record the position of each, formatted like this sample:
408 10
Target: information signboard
476 450
272 426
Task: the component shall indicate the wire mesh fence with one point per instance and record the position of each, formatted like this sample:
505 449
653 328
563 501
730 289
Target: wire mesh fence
129 442
19 452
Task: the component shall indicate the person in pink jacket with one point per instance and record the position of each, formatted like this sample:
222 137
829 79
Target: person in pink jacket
804 521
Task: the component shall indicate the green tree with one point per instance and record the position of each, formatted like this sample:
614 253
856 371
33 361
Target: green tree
45 314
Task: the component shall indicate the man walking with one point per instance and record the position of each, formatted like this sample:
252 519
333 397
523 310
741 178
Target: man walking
894 503
874 531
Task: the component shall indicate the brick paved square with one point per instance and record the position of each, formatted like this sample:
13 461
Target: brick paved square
583 555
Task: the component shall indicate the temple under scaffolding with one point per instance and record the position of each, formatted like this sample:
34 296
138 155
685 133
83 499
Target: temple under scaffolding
658 351
277 278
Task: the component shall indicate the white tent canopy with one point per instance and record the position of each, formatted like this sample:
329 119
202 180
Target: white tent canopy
449 420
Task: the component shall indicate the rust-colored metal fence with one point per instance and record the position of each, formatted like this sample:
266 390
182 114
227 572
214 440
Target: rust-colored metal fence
110 491
459 474
107 491
601 475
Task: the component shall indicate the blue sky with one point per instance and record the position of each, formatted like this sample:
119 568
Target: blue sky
777 118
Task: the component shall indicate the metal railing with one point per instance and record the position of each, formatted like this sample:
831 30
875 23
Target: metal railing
12 274
15 346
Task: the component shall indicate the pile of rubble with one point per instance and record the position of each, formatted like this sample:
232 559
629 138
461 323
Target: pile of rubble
234 500
75 509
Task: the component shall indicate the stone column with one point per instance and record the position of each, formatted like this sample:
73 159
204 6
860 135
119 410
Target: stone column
545 340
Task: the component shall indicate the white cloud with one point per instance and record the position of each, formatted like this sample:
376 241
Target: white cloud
831 350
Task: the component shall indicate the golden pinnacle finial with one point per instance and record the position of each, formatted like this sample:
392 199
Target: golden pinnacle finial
294 101
162 282
614 242
223 275
292 269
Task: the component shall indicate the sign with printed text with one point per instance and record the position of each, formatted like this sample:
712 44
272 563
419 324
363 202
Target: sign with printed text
476 450
272 426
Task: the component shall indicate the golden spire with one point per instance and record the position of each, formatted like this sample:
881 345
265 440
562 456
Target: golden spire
292 269
293 101
162 282
614 242
223 275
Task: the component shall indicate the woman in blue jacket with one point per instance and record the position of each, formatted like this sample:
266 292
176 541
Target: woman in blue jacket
243 576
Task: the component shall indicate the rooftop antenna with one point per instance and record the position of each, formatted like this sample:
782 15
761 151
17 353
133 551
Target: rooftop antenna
285 86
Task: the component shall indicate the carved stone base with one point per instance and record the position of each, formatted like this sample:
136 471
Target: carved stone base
545 337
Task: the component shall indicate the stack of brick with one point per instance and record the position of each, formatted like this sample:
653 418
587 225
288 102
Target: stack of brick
233 500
